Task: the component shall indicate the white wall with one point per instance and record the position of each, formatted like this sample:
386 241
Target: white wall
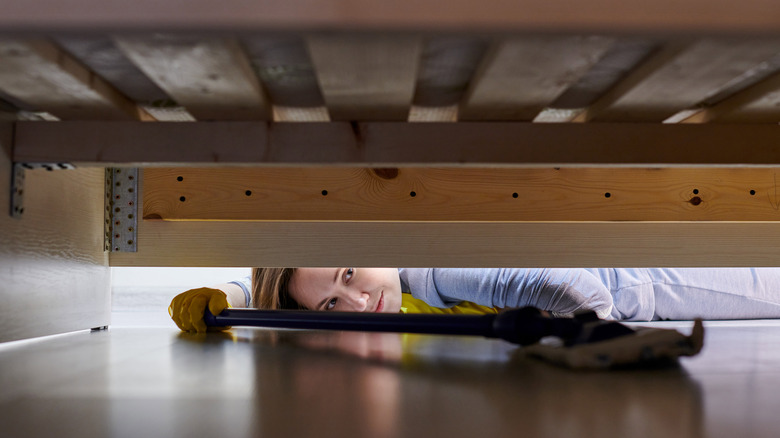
151 289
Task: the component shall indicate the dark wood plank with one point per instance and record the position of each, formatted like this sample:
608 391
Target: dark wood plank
380 144
594 16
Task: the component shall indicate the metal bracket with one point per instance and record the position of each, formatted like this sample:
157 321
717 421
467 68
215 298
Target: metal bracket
17 182
121 214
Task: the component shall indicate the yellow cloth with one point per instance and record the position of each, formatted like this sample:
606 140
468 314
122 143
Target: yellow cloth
410 304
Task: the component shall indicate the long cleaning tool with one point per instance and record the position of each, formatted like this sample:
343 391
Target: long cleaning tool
584 341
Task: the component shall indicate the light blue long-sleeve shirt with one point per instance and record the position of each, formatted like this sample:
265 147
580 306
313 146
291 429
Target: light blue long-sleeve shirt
639 294
563 291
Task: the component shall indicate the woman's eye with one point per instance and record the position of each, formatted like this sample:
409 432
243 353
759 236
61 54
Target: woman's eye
348 274
331 304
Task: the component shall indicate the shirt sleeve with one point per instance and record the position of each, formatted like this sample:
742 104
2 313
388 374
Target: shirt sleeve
562 291
246 285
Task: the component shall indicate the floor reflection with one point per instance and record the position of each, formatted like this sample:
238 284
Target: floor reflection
384 384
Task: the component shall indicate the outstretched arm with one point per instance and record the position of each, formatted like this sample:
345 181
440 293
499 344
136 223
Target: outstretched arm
562 291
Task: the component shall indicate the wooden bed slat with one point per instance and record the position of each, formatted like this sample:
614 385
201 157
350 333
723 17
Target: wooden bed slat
646 69
759 103
103 57
446 68
286 70
44 77
211 78
425 194
367 78
519 77
621 58
680 77
379 144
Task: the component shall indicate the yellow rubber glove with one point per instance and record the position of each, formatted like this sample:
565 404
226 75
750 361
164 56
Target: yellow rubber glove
188 307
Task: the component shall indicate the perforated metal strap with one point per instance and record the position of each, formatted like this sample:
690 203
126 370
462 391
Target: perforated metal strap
121 222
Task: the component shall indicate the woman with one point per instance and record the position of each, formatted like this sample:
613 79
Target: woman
641 294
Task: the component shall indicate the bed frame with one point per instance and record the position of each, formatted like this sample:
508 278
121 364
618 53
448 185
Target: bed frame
322 133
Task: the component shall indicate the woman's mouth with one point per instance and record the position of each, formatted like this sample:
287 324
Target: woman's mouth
381 304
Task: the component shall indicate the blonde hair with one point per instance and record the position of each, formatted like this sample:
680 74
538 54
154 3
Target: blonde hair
270 288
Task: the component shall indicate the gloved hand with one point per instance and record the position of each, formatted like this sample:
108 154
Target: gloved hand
188 307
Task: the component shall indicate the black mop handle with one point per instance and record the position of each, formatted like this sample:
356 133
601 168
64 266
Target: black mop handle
522 326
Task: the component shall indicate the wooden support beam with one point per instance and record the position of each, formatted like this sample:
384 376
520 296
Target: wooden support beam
441 195
600 16
679 77
368 78
519 77
431 244
212 78
44 77
397 144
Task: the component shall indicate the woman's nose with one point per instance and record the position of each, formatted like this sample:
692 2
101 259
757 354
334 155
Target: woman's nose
358 301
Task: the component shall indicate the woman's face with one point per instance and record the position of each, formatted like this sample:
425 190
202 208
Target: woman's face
347 289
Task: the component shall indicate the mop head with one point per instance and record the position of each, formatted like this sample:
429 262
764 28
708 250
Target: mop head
639 347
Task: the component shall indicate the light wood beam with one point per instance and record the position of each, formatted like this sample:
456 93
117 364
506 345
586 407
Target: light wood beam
434 194
433 113
519 77
366 78
430 244
212 78
44 77
300 114
379 144
679 77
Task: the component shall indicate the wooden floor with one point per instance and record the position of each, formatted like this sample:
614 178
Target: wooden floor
153 381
